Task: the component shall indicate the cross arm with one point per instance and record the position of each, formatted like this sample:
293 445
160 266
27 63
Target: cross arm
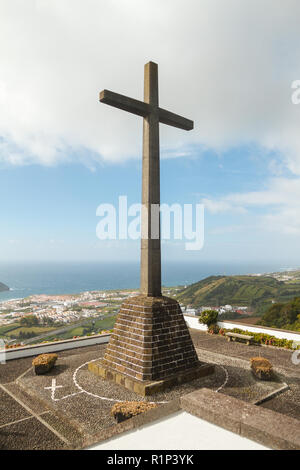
171 119
123 102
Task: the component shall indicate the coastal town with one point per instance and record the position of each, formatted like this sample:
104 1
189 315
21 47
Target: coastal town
64 309
70 308
59 308
45 317
43 314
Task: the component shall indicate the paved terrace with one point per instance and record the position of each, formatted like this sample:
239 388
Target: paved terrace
214 348
68 406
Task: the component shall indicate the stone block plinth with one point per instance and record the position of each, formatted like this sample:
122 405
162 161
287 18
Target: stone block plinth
150 348
147 387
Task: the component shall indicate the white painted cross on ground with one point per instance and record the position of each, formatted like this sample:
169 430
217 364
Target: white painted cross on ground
53 388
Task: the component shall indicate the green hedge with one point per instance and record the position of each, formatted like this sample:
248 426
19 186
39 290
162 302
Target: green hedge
262 338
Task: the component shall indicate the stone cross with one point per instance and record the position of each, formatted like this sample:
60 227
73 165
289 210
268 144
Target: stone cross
151 112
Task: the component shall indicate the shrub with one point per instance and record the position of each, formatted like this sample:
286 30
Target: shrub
43 363
208 317
127 409
261 368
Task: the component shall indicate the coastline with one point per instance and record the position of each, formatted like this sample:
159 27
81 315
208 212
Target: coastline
75 278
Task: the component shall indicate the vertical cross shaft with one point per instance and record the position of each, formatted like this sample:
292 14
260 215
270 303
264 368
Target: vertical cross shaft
152 115
150 246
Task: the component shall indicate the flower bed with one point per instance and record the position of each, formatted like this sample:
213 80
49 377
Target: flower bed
259 338
12 346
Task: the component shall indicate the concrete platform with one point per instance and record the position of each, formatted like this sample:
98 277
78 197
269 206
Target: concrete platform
237 353
75 409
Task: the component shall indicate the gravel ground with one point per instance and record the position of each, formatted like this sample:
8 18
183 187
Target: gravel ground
29 435
76 409
12 369
287 403
89 411
88 406
8 404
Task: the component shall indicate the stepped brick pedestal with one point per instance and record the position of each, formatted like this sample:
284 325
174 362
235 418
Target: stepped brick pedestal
150 348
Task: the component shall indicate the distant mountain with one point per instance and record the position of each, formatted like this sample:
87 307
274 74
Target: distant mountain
257 292
3 287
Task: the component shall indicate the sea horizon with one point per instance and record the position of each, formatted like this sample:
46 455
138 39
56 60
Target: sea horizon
72 277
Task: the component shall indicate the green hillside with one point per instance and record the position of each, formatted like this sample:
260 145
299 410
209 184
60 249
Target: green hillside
256 292
286 316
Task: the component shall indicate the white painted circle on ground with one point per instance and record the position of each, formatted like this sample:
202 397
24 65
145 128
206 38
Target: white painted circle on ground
94 394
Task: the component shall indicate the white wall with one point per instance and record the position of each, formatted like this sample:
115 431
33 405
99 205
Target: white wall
27 351
193 322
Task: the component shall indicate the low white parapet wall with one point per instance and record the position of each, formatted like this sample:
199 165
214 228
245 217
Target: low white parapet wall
42 348
193 322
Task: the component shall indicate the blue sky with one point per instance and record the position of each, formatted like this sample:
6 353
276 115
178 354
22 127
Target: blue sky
49 213
228 65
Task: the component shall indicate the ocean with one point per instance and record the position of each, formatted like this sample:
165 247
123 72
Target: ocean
52 278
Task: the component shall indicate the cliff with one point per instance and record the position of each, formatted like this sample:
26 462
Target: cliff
3 287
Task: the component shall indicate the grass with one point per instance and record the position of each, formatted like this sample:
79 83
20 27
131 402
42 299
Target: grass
13 330
75 332
7 328
104 324
38 330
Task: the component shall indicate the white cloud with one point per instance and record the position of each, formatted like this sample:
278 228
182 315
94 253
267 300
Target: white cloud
227 229
286 221
222 205
228 65
281 197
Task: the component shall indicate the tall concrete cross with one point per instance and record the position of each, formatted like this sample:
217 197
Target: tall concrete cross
153 115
